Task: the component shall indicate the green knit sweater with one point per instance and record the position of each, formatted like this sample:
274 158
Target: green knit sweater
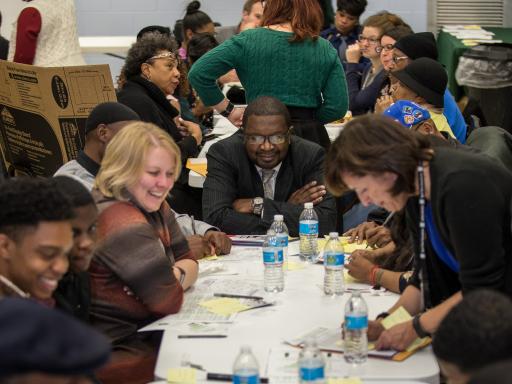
305 74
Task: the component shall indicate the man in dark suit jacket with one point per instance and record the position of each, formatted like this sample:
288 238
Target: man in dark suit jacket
241 196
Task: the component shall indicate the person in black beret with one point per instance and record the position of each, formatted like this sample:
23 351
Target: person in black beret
424 82
423 44
42 345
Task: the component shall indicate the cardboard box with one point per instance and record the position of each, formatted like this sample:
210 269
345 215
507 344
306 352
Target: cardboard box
43 113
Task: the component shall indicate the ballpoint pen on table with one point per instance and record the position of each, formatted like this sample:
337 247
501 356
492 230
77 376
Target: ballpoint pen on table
234 296
202 336
193 225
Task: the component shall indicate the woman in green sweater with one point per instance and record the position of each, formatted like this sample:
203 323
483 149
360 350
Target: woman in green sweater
286 59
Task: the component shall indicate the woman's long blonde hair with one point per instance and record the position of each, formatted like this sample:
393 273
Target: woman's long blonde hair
125 155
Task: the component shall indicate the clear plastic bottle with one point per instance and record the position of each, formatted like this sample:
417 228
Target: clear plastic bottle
308 232
356 327
273 263
281 230
311 364
246 369
334 260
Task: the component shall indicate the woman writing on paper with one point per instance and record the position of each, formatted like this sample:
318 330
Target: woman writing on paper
142 263
461 199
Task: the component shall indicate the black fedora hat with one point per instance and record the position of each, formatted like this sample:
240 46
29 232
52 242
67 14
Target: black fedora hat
427 78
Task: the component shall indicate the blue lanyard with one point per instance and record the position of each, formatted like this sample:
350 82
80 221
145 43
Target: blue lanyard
437 243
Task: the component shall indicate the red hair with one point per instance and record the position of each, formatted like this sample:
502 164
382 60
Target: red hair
306 17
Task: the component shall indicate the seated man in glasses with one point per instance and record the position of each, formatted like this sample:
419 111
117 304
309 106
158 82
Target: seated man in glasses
262 171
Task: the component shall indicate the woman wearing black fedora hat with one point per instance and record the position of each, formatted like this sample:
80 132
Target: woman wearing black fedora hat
424 82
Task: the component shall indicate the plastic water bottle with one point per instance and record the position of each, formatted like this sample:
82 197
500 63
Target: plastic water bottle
308 232
246 369
334 259
281 230
356 326
311 364
273 262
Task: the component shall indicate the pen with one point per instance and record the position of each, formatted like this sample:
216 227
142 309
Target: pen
237 296
388 219
193 224
202 336
228 378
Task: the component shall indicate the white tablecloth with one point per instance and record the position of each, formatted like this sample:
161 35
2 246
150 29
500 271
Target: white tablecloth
301 307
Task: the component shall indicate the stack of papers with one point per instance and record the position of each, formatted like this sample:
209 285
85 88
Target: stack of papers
471 34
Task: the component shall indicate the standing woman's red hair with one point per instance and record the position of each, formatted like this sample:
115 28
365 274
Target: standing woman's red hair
305 17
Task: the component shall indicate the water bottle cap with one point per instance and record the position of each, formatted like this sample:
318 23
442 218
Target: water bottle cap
333 234
245 349
308 205
278 218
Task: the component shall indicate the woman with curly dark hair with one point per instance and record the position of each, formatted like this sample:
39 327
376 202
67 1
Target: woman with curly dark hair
149 77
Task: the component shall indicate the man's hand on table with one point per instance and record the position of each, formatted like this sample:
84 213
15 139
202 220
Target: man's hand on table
311 192
220 241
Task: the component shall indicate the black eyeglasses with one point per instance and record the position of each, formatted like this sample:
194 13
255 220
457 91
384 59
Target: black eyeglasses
387 47
260 139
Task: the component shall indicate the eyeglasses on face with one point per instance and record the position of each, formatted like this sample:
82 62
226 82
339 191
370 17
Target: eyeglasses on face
260 139
397 59
370 40
387 47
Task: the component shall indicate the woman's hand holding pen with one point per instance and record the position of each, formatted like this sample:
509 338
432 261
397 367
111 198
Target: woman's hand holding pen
359 233
378 236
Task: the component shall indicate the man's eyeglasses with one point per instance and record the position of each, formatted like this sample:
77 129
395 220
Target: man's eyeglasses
397 59
387 47
370 40
259 139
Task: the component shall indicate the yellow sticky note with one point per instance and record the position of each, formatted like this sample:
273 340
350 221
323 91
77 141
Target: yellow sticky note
197 165
344 380
293 266
351 247
224 306
397 317
181 376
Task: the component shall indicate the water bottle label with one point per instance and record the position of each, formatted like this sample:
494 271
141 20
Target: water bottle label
254 379
312 373
282 240
308 228
356 322
334 259
273 256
